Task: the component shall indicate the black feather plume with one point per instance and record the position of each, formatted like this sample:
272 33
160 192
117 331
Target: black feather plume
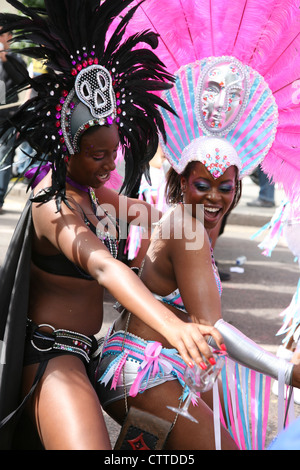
57 35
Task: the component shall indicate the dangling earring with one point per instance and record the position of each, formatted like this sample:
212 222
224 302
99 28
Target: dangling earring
182 197
182 188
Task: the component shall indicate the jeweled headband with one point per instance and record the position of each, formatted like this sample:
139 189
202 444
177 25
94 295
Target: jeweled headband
215 153
94 77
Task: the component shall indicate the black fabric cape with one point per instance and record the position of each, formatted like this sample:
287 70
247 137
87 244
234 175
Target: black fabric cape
14 296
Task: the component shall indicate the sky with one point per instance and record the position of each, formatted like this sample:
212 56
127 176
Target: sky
5 7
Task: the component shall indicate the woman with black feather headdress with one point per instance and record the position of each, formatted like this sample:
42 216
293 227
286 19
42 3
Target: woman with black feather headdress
99 93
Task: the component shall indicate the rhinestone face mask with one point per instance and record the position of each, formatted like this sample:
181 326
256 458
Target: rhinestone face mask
242 109
220 96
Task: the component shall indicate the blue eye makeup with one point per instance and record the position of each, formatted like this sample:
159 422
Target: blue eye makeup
205 186
226 187
202 186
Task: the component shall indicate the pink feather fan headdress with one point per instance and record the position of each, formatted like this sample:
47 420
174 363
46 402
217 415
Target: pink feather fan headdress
262 36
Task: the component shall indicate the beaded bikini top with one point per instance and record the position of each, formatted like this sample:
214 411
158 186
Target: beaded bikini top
60 265
174 299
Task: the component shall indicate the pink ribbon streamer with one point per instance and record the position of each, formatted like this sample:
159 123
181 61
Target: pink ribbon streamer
253 408
149 366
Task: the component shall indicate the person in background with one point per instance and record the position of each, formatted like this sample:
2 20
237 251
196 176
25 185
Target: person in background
10 76
266 195
23 153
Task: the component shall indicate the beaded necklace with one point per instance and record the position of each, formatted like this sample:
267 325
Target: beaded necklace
216 272
109 240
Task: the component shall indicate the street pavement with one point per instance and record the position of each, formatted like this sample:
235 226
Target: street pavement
252 300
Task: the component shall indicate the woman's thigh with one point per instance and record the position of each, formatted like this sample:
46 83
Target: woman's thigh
185 435
66 408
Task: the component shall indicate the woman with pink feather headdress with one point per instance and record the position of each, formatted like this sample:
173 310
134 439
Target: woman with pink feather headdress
236 108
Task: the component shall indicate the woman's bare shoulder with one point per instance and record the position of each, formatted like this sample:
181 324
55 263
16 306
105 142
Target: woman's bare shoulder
179 225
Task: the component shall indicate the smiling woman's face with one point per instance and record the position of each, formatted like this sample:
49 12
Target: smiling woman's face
95 161
216 195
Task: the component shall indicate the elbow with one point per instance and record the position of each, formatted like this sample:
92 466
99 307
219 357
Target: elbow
106 272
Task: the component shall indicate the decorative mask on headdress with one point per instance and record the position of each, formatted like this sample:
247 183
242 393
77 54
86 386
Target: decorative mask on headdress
221 95
223 98
94 78
261 40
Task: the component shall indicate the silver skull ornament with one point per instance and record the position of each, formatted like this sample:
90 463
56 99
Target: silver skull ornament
94 88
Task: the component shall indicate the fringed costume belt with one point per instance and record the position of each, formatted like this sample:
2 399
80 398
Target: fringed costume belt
41 346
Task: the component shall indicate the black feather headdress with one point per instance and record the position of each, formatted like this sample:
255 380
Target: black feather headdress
76 39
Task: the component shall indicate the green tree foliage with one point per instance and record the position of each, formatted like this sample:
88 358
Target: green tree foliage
33 3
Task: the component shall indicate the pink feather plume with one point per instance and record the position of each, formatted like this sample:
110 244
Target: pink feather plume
262 34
